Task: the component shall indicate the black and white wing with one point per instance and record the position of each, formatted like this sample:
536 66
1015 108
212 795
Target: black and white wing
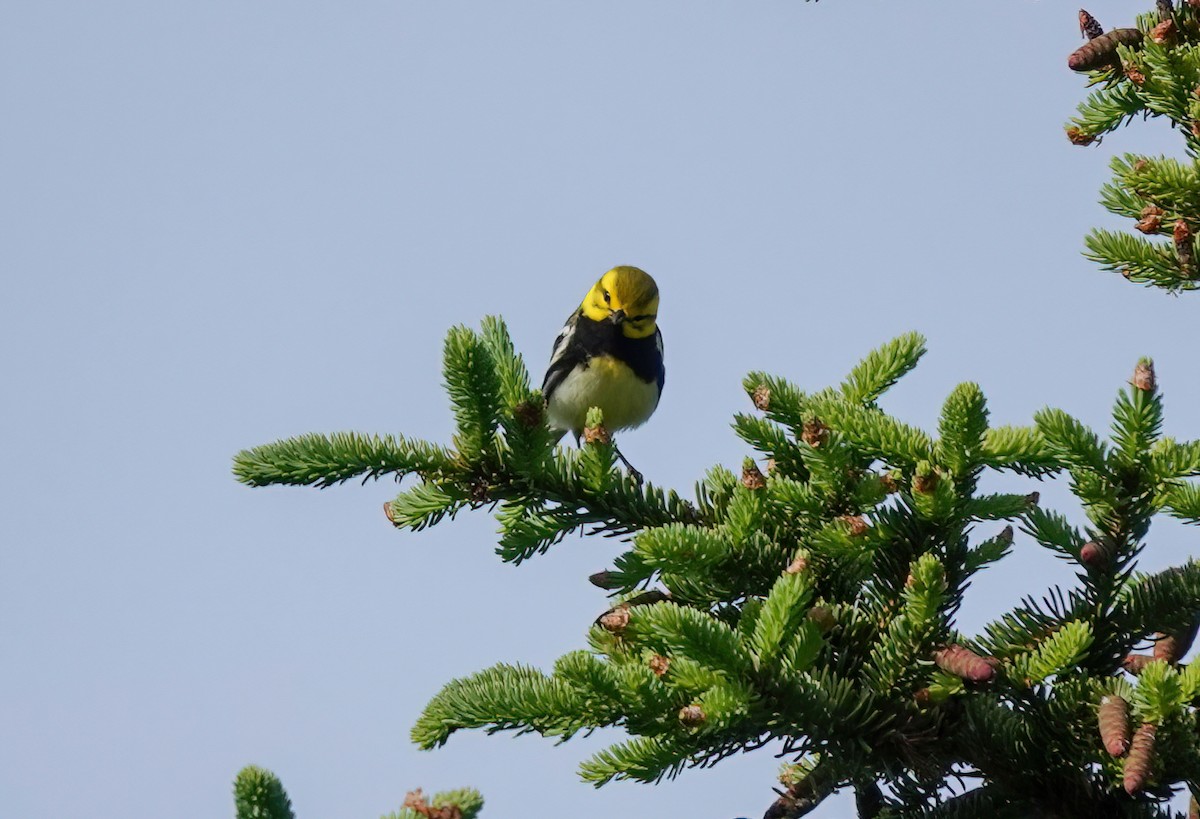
662 371
565 356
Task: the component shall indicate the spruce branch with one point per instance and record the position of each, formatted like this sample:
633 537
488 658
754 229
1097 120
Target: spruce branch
811 602
1153 71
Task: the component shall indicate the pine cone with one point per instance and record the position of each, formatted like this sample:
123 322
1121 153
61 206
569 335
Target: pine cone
1102 51
1134 663
1141 755
1113 716
1166 647
1093 555
962 662
1089 26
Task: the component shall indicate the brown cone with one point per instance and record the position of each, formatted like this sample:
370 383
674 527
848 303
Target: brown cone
1141 756
1134 663
1113 717
962 662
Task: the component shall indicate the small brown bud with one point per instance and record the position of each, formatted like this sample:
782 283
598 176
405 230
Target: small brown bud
1151 221
530 413
604 580
1193 805
597 435
1143 376
1093 555
752 476
1006 534
1166 647
962 662
888 481
1135 75
1183 248
1032 498
479 490
615 620
770 465
922 696
814 433
823 617
647 598
1195 127
856 524
762 397
1164 32
418 804
1141 756
1113 719
1134 663
797 566
925 483
659 664
1079 137
387 511
1089 26
1140 165
691 716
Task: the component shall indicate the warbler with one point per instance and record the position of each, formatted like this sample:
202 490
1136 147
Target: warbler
608 355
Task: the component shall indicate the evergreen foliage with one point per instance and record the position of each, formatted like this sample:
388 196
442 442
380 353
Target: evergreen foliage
810 602
258 794
1152 70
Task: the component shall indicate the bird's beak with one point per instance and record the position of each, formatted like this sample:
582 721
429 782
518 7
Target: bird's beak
617 316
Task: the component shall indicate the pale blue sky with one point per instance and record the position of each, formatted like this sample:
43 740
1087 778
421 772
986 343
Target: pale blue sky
230 222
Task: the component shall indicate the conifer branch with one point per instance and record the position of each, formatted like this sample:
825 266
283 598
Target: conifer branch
812 602
1152 70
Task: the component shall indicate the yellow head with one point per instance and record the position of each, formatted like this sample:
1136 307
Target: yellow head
627 297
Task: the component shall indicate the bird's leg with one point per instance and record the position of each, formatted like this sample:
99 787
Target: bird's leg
633 473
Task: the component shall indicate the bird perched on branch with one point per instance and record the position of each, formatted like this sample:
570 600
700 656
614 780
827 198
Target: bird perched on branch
608 355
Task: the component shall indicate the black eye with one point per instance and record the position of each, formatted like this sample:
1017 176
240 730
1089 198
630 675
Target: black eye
607 298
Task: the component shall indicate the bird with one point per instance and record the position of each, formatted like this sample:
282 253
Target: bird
609 355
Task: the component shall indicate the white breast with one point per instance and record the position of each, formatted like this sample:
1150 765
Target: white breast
626 400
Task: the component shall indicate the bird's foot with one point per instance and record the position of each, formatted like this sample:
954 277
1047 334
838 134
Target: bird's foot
633 473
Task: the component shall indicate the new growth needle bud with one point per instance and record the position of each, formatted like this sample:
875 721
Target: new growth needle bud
1143 376
692 716
1184 249
1164 32
762 397
814 433
752 477
1151 221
